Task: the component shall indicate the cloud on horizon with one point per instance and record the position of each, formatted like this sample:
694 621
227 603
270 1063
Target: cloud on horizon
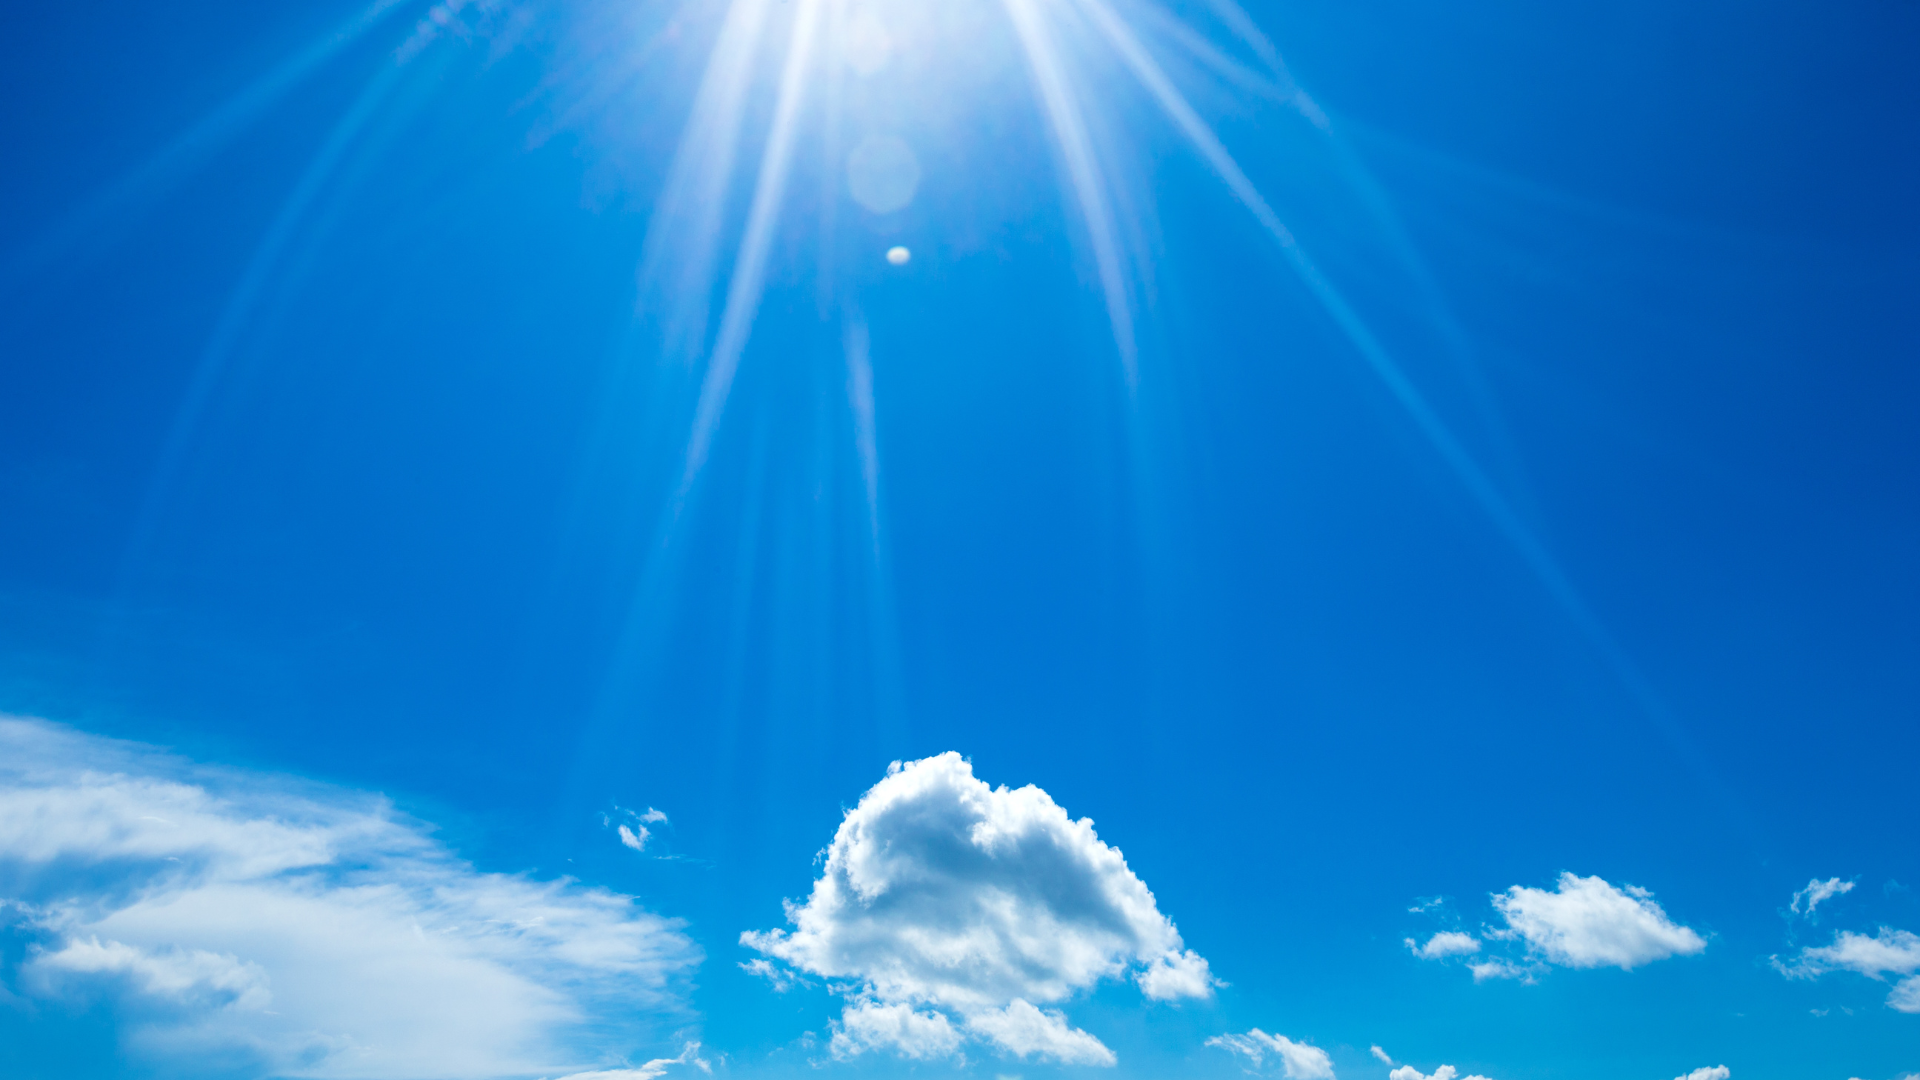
309 929
652 1070
952 910
1444 1072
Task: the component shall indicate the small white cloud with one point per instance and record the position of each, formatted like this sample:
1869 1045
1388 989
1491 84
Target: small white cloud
1380 1055
1444 1072
778 977
1586 923
869 1025
635 840
1298 1061
1501 968
1816 892
1895 952
1024 1030
653 816
1444 944
311 929
943 898
1717 1072
1177 975
1889 952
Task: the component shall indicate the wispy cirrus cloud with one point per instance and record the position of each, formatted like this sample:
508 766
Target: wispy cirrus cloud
1298 1060
1817 892
952 911
311 930
1887 952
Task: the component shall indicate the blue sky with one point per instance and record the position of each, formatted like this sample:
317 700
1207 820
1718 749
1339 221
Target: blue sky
1021 538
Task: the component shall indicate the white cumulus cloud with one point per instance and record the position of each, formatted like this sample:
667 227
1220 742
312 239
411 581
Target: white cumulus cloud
943 899
1443 944
1816 893
635 839
1587 922
1889 952
1298 1060
1023 1028
869 1025
1716 1072
314 929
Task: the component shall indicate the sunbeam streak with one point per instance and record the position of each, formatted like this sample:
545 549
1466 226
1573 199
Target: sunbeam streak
1083 170
680 255
1475 479
750 266
192 148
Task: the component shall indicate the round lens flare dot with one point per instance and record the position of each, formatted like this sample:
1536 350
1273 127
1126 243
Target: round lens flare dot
898 256
882 174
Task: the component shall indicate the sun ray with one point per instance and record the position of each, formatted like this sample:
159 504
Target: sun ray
216 356
1480 486
750 265
173 163
860 401
683 248
1083 171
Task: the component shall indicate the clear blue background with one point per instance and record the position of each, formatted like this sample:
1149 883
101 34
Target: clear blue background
1246 620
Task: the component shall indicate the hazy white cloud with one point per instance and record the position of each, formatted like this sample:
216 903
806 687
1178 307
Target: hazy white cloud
1381 1055
1717 1072
1502 968
944 898
315 929
1586 922
652 1070
635 838
1298 1061
653 817
1443 944
1444 1072
1816 892
1889 952
183 975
